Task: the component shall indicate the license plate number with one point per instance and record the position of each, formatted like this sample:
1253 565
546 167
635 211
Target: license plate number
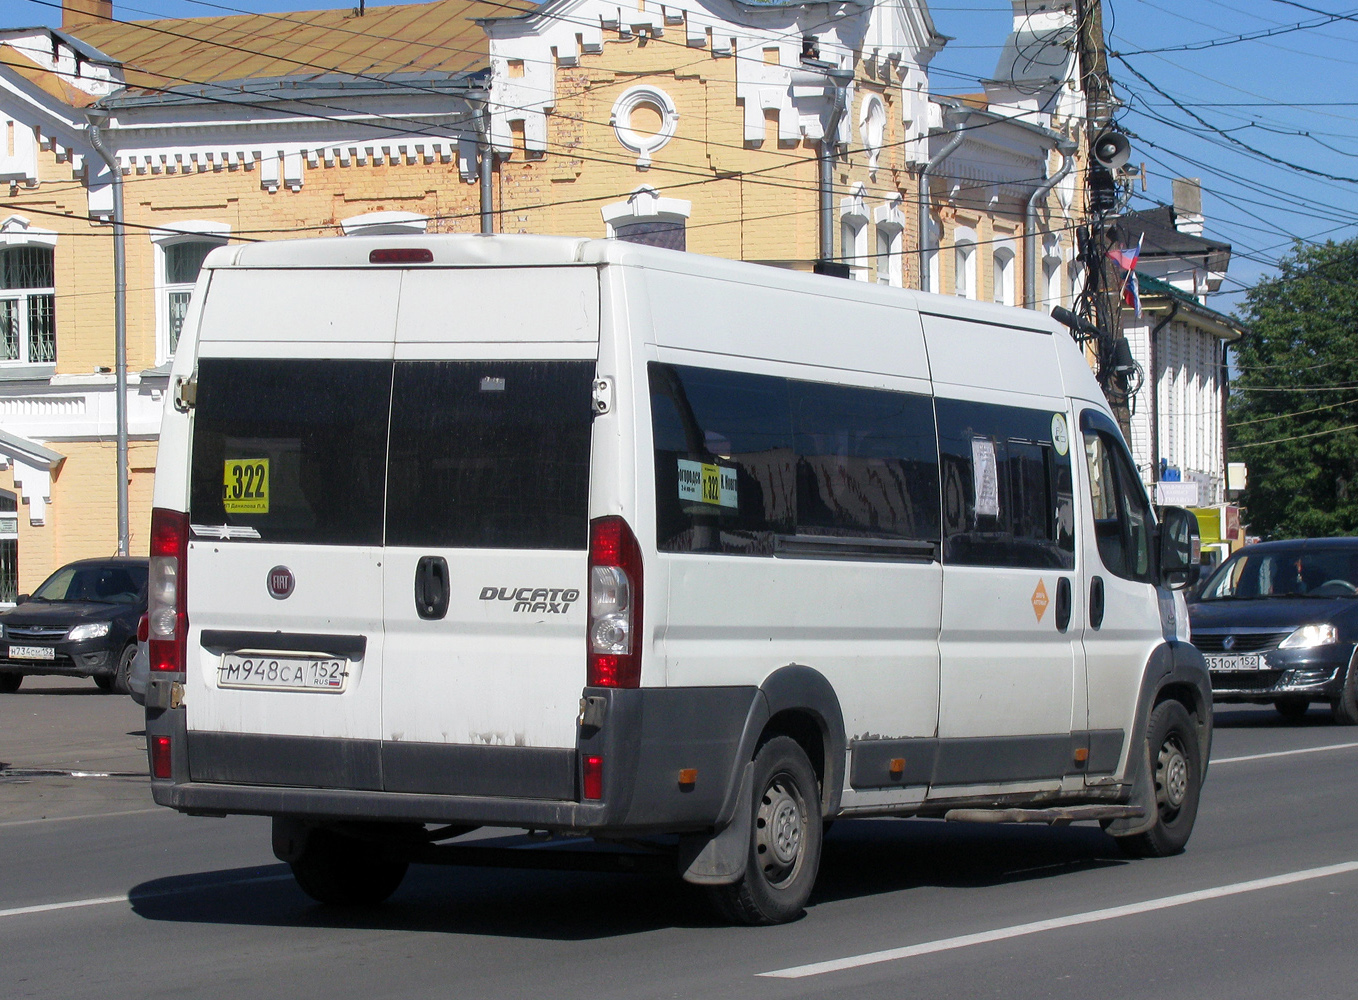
263 671
32 653
1244 661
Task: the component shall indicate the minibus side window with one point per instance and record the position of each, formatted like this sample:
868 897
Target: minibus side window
1008 498
724 470
1122 515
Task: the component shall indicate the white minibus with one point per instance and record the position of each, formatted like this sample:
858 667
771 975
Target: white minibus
591 538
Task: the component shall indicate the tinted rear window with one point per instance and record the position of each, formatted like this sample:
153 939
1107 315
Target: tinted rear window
294 449
490 454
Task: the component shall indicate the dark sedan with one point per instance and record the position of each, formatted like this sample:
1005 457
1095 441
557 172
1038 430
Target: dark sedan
82 622
1278 622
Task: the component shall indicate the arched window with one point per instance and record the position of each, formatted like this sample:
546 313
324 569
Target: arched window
28 316
649 219
853 232
180 250
964 263
1002 274
890 221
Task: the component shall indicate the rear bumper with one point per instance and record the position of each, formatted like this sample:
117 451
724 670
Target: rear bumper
645 737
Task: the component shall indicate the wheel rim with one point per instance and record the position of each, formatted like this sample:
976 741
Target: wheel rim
1171 777
780 826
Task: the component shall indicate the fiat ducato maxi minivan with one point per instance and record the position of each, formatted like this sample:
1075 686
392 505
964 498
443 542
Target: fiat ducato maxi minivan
598 539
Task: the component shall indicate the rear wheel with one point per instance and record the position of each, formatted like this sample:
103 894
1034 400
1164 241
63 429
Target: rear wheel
1173 757
1292 709
9 682
785 840
120 678
345 871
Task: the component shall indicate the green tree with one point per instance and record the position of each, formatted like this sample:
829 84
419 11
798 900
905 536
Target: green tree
1293 414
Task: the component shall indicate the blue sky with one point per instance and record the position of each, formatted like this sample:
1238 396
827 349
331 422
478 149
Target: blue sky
1208 104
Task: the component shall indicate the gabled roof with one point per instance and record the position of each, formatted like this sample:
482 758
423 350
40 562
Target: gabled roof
1155 231
426 39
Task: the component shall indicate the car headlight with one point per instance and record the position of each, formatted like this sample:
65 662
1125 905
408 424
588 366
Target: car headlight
93 630
1310 635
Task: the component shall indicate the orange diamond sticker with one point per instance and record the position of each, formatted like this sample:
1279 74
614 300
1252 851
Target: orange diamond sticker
1040 600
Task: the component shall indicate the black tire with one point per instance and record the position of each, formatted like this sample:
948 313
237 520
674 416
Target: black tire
1292 709
1173 756
9 682
121 676
1345 707
344 871
785 840
104 682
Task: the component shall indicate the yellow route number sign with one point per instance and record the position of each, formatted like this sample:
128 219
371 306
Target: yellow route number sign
245 486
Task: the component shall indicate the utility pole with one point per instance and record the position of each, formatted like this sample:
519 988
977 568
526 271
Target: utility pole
1100 303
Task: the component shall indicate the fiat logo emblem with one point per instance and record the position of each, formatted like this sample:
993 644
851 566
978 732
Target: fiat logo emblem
281 582
1228 642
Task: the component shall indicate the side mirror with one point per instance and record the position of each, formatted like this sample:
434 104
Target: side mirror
1180 548
22 598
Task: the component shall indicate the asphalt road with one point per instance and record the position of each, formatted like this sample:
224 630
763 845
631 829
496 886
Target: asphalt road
104 895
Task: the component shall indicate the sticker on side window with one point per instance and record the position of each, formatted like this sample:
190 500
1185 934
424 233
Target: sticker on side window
245 486
985 476
707 484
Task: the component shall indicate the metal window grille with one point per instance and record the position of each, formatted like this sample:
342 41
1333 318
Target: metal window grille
9 570
26 267
28 317
42 329
179 305
9 329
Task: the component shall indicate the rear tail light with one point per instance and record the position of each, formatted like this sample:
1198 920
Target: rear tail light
161 766
166 615
614 605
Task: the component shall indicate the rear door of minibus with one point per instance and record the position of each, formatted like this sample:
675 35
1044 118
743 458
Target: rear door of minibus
487 530
284 579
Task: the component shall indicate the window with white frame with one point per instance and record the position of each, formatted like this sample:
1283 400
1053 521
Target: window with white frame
964 264
853 233
647 218
1002 275
180 250
890 221
28 316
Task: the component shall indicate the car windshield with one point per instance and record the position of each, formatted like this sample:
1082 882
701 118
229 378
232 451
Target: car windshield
1288 572
101 584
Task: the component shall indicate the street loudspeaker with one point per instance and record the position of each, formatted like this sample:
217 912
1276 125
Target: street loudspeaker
1111 149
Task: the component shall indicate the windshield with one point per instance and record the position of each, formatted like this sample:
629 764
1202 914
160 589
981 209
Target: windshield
101 584
1298 572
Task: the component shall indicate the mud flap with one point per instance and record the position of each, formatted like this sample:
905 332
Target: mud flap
720 858
1143 795
290 838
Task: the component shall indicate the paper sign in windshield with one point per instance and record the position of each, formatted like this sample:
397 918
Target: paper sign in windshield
245 486
986 477
709 484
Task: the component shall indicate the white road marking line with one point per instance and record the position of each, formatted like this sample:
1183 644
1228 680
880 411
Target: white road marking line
75 904
1285 753
1058 923
67 819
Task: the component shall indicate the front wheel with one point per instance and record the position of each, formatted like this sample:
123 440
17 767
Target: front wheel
9 682
1292 709
785 840
1345 707
104 682
345 871
121 682
1173 756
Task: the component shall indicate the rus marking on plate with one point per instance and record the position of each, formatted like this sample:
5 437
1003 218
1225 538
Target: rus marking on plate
1040 600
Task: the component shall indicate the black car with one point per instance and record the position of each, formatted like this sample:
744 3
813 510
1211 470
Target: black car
82 622
1278 623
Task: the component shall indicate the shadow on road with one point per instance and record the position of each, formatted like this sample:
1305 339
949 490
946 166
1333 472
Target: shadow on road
1266 717
862 858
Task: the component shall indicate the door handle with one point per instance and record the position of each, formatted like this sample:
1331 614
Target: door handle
431 587
1062 604
1095 602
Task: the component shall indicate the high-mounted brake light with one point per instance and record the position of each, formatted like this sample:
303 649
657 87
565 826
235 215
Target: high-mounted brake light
402 255
166 614
614 605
